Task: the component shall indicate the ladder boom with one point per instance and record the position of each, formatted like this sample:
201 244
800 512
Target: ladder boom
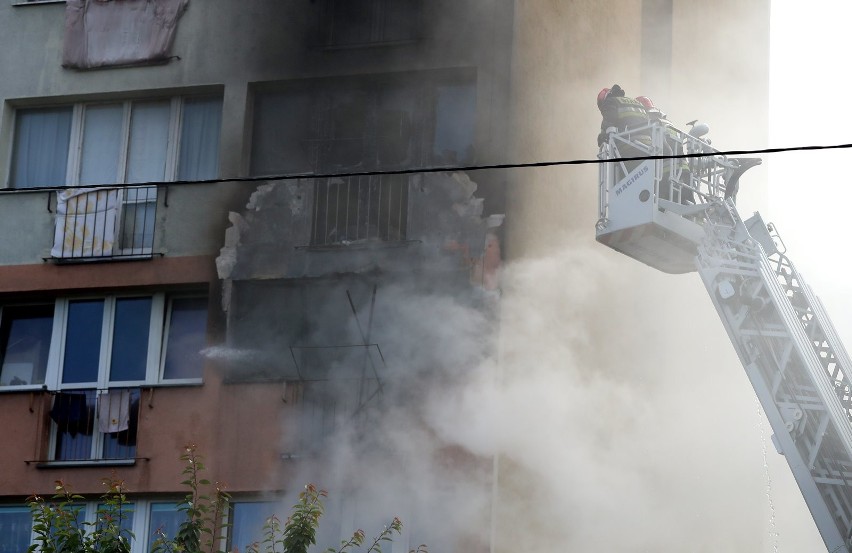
681 218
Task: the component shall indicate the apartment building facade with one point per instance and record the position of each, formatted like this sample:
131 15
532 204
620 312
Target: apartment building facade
322 303
111 288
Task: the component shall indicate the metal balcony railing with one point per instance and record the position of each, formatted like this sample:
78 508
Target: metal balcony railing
95 424
104 223
362 209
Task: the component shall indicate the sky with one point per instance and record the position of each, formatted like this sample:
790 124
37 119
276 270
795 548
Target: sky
809 191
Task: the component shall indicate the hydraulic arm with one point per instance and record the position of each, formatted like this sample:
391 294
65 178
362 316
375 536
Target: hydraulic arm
788 346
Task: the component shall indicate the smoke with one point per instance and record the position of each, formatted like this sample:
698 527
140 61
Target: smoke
614 421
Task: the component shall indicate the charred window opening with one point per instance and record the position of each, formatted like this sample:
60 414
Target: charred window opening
350 23
381 122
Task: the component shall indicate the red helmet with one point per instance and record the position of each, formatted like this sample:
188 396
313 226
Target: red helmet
602 95
645 101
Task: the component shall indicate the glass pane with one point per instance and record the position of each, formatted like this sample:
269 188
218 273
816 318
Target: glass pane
395 122
281 139
351 21
164 518
149 141
455 121
40 154
130 339
101 144
137 227
247 521
118 420
348 121
74 416
199 139
15 529
83 341
122 517
25 344
400 19
186 338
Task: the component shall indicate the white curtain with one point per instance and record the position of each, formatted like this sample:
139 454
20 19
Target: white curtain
149 142
101 149
199 141
41 147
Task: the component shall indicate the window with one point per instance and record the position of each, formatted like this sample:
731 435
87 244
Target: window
385 122
247 519
117 143
362 22
164 519
93 424
139 518
95 354
113 143
25 332
15 528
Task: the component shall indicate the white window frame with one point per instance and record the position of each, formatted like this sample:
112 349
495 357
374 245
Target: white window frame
53 352
161 313
141 526
60 325
75 154
75 148
164 346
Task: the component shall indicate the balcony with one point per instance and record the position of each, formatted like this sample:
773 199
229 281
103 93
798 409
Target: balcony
104 223
114 224
357 210
92 426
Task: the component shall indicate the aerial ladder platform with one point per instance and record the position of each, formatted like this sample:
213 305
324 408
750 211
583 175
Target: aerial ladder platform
673 207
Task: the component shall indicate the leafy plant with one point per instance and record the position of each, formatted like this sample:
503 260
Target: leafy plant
57 527
205 512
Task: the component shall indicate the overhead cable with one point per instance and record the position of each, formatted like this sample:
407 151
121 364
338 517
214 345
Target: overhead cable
453 168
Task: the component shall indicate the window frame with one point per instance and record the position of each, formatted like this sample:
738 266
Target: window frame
158 326
378 26
141 525
102 381
52 351
75 141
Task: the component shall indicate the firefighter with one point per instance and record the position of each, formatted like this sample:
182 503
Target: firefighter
619 111
676 173
624 114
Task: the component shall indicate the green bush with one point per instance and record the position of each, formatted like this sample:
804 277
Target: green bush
58 530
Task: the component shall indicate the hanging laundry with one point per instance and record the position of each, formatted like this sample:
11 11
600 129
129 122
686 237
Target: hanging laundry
114 411
71 413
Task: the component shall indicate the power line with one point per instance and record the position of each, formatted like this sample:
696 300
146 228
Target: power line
448 168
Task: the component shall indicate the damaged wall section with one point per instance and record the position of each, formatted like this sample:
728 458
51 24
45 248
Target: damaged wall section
362 331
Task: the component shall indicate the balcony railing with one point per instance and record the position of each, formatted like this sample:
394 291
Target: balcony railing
93 425
360 209
104 223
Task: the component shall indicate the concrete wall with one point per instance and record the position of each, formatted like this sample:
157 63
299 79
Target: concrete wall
234 43
228 46
595 323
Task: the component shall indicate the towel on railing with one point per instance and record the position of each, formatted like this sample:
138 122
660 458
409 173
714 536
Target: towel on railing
114 411
85 222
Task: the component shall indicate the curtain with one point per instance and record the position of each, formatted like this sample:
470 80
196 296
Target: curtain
41 147
101 144
199 142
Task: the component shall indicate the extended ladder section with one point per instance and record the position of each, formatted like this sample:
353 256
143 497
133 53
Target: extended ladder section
793 357
680 216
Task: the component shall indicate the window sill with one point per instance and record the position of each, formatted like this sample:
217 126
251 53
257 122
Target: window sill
86 463
37 3
28 388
